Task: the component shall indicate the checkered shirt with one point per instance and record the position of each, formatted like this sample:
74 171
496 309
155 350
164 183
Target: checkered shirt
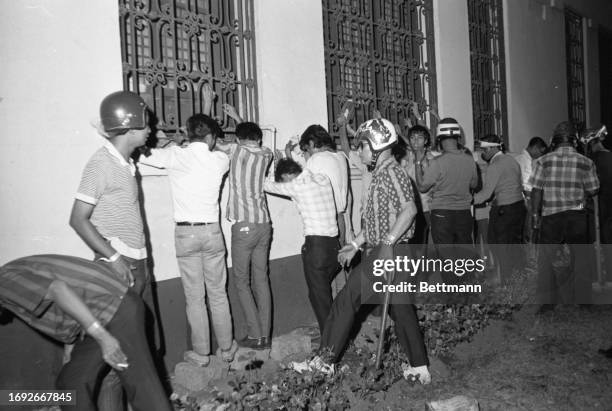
314 198
565 177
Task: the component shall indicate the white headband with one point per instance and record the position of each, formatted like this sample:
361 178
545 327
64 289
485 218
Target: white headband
486 144
449 129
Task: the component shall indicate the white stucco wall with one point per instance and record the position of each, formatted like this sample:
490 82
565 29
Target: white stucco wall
453 64
60 58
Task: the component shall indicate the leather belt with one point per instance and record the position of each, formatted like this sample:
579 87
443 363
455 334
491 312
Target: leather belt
189 223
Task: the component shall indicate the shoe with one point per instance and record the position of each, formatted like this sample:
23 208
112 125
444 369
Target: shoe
313 365
413 374
196 359
262 343
607 353
228 355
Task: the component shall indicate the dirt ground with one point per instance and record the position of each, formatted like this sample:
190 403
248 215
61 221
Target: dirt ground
530 362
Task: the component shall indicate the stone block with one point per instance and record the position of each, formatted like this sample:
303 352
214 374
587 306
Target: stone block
289 344
246 357
196 378
457 403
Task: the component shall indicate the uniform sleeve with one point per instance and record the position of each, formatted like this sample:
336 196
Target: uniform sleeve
431 174
491 179
536 179
159 158
591 181
93 182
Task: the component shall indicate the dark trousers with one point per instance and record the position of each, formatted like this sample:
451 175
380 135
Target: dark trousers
563 284
450 227
506 224
320 260
87 368
349 300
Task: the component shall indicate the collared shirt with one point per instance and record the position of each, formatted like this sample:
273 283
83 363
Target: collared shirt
503 178
24 285
565 177
109 184
246 201
314 198
334 166
452 175
195 175
525 162
388 194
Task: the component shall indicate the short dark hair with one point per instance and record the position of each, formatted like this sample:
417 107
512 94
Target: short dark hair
286 166
564 133
399 149
249 131
537 142
419 129
200 125
319 137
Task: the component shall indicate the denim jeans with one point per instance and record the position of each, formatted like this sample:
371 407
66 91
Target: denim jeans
250 247
200 251
87 367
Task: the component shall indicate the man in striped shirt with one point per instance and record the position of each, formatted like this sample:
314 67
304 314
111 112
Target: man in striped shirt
251 231
314 198
66 297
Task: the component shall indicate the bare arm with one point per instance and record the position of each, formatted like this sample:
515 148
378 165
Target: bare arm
71 304
208 98
81 223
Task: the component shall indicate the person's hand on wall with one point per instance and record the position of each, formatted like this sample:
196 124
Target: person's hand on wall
231 111
208 96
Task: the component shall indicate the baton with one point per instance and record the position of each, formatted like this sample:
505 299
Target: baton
383 320
600 277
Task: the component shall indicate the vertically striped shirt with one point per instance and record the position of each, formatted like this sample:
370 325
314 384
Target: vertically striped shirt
248 166
24 285
109 184
388 194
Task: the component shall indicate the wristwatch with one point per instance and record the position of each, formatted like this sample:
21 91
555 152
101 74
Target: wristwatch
389 240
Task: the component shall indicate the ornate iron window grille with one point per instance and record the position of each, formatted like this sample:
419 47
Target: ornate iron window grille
574 48
380 55
488 68
171 48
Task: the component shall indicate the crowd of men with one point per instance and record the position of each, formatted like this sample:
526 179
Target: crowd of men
415 187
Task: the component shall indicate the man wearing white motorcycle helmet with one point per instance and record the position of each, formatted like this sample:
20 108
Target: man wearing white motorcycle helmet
387 224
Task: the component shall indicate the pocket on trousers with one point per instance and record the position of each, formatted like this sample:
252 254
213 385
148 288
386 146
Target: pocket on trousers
185 244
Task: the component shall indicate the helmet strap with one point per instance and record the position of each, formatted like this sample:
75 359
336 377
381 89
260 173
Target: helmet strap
374 161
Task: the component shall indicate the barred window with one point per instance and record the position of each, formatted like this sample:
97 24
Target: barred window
380 55
171 48
488 68
574 49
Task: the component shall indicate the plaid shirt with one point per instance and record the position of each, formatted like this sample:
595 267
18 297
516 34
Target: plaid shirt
24 285
565 177
388 194
314 198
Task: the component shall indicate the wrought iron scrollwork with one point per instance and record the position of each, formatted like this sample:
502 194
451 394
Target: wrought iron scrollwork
488 68
574 46
172 48
380 55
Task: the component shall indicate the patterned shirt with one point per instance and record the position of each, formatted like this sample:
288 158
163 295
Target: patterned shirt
314 198
109 184
564 176
388 194
248 166
24 285
334 165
